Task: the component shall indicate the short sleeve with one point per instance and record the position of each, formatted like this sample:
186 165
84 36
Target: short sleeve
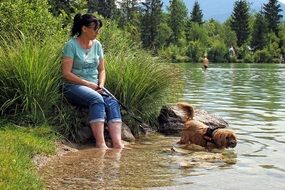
68 50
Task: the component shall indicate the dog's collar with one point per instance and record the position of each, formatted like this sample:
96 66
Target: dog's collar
208 136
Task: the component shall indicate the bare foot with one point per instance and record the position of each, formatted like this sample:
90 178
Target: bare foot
102 146
118 145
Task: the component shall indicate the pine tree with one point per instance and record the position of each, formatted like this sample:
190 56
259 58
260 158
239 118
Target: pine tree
129 9
151 20
271 12
106 8
196 14
240 21
178 16
259 33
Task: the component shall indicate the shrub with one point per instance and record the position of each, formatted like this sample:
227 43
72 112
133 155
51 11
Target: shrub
31 17
29 78
262 56
195 51
217 52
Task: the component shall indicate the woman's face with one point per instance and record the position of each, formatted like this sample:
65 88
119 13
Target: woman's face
91 31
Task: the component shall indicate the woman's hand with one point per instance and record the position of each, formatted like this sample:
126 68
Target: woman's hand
92 85
100 88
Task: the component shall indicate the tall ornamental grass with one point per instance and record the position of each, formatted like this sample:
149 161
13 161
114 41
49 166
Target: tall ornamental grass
143 83
29 78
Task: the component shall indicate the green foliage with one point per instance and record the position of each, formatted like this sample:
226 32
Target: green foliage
29 16
229 36
172 53
272 13
262 56
198 33
195 51
142 83
196 14
106 8
249 58
150 22
282 38
259 39
17 146
240 21
164 32
116 42
273 45
178 15
29 78
217 52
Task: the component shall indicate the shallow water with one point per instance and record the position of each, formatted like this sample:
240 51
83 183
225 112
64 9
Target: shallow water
249 97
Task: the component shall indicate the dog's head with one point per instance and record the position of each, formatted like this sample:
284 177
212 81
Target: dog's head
225 138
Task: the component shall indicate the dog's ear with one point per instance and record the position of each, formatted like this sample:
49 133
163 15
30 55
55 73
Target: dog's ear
187 109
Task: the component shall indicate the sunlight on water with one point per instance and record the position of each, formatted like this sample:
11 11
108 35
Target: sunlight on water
249 97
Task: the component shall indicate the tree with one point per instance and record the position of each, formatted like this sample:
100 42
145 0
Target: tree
240 21
151 21
106 8
129 9
178 15
196 14
259 33
271 12
65 6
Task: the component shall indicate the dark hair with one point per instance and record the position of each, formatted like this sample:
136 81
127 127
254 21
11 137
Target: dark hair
84 20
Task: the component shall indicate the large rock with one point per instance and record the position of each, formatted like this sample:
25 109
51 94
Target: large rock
170 120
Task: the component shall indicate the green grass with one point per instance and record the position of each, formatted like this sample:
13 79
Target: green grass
17 146
29 78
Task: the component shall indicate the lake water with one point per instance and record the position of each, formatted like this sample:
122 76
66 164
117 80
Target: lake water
250 97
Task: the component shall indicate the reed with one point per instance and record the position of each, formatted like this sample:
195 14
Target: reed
143 83
29 78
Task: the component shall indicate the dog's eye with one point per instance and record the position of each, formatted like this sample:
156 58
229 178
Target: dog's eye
227 138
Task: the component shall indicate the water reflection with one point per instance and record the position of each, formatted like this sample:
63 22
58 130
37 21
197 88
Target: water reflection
151 162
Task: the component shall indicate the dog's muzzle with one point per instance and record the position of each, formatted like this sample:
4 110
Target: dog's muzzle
231 143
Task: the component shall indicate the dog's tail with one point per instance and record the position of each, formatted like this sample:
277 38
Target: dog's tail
187 109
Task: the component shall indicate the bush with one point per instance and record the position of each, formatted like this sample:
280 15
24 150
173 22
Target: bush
262 56
249 58
172 53
29 16
195 51
217 52
29 78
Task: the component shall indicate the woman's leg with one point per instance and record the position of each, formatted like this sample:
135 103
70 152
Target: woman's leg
85 96
114 121
115 133
98 133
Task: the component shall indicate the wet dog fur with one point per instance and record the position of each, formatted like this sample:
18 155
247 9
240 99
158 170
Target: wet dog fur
195 132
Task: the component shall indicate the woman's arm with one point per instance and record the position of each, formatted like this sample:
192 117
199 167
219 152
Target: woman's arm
101 73
67 63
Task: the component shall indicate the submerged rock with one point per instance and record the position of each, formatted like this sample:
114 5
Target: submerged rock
171 123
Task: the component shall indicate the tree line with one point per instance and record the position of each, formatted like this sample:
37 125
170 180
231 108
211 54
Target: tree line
180 35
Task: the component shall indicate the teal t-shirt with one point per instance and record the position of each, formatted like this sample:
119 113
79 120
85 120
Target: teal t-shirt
85 61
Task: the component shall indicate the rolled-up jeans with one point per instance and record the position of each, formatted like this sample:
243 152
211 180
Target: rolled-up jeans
100 105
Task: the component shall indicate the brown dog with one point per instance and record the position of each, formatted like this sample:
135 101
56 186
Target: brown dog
198 133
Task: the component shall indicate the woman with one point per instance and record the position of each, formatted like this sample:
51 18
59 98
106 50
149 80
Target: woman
83 69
